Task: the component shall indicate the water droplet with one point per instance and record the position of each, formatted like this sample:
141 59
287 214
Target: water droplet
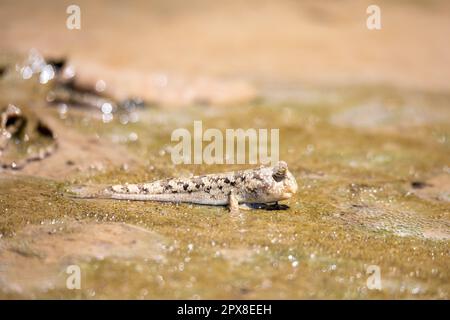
26 72
107 117
47 74
100 86
133 136
107 108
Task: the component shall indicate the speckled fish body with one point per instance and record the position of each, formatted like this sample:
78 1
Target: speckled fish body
260 185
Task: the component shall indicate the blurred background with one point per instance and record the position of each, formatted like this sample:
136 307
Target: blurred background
286 41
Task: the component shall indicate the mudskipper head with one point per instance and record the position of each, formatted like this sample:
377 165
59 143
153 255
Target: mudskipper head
275 183
285 184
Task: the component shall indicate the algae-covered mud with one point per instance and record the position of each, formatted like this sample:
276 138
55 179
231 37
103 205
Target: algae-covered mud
372 164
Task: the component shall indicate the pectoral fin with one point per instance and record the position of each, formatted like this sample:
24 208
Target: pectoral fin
233 203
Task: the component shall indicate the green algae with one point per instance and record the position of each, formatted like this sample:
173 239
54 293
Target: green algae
353 209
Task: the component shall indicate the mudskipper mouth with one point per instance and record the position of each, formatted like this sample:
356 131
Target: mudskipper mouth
289 192
287 195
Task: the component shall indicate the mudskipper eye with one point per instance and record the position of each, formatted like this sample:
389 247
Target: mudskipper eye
279 171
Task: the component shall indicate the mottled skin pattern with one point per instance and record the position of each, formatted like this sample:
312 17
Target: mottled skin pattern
254 186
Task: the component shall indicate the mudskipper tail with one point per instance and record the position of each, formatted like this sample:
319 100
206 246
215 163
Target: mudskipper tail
87 192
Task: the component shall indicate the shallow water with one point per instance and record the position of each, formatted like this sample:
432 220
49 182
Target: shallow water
356 205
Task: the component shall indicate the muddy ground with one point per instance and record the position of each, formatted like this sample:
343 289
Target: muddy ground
364 125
